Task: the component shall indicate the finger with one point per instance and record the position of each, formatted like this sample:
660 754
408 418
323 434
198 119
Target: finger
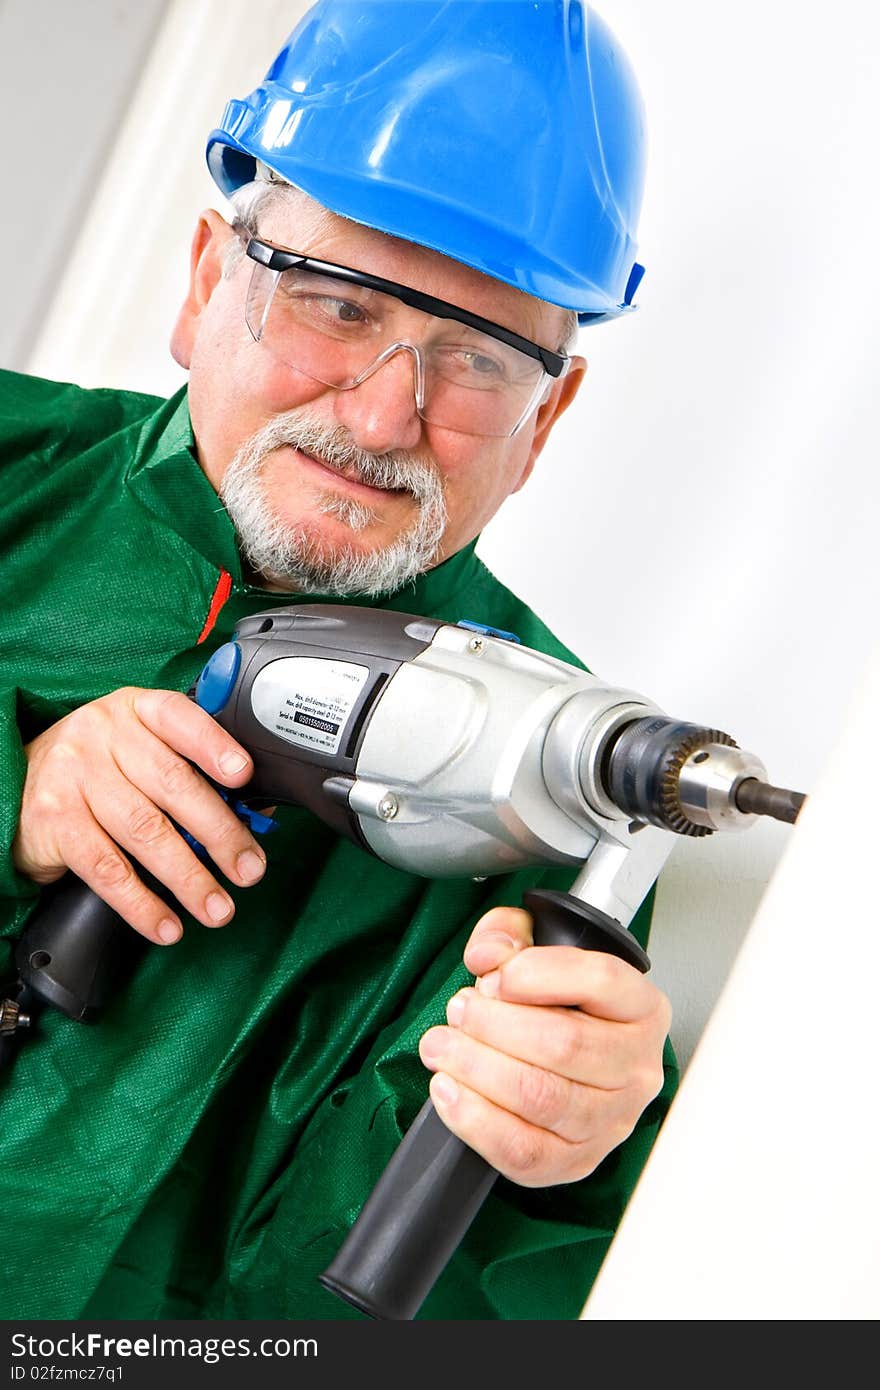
176 787
598 983
520 1151
568 1109
498 935
139 827
565 1041
186 727
100 863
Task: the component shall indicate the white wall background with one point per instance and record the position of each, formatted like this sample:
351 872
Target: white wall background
703 526
67 73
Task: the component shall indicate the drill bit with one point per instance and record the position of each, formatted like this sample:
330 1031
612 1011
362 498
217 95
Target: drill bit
755 798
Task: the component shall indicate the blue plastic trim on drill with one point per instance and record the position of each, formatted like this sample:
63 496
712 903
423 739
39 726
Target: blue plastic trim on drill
255 821
489 631
213 688
216 683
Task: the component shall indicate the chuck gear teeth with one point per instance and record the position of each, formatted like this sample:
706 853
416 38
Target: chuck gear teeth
11 1017
672 813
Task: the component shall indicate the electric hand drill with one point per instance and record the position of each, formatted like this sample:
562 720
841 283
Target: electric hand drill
446 750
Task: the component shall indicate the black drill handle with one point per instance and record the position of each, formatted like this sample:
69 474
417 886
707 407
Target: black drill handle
420 1209
75 948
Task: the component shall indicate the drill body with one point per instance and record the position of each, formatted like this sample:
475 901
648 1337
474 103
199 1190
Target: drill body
450 750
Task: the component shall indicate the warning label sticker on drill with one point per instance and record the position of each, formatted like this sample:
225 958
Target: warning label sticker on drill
307 699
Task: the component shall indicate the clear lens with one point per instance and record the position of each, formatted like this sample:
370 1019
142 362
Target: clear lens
335 332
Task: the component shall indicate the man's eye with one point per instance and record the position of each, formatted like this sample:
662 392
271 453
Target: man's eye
482 365
345 311
323 310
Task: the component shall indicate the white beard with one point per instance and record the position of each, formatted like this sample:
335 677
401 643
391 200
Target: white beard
290 555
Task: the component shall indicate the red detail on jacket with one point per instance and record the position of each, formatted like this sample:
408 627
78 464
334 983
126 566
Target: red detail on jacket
221 594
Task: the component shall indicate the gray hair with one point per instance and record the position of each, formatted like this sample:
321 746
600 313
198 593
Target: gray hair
568 341
249 203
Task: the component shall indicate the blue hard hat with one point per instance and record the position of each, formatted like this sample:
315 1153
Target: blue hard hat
506 134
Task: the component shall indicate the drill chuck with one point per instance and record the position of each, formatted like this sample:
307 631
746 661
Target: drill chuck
689 779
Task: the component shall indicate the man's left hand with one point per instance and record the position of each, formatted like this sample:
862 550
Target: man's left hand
548 1062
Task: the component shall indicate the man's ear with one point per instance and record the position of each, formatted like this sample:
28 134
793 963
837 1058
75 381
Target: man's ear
209 244
560 397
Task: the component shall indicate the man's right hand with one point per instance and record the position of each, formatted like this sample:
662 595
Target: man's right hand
109 777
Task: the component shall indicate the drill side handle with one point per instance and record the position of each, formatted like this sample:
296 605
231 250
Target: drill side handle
434 1185
75 948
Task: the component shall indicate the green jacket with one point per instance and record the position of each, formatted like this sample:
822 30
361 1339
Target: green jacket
203 1149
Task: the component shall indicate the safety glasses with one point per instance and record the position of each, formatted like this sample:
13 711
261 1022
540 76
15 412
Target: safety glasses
338 326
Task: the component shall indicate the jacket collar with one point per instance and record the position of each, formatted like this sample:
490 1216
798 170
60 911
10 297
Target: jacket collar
166 478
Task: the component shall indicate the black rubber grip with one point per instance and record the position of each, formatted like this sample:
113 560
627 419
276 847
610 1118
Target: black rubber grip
412 1222
75 950
419 1211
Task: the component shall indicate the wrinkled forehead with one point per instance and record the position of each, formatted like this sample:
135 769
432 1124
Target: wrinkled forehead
294 220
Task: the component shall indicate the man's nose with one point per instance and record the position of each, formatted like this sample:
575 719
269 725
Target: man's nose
381 413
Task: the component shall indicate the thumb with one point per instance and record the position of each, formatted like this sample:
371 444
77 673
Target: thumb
499 934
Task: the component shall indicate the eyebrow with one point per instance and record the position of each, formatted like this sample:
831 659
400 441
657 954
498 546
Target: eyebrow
281 258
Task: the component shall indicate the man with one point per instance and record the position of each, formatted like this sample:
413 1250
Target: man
377 352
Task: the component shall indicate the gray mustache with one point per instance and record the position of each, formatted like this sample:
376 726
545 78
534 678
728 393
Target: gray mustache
335 448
